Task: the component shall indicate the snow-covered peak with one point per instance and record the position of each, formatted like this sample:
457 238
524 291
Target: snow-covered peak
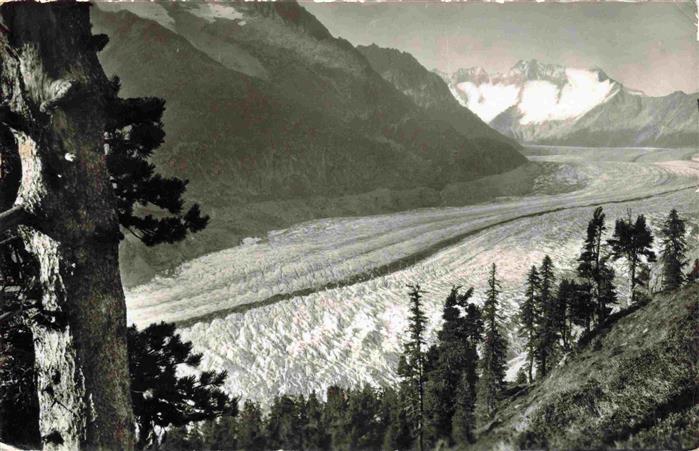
540 92
211 11
525 70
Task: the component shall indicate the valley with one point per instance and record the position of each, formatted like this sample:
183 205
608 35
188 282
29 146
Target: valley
323 302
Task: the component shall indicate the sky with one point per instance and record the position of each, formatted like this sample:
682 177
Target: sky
647 46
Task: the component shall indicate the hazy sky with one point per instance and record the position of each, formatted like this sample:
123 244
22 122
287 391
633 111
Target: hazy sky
646 46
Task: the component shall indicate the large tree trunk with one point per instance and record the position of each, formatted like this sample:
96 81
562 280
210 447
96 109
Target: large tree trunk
52 100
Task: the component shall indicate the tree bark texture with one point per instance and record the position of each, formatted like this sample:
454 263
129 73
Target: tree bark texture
52 110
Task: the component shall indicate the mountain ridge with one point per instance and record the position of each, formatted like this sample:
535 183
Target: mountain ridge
264 105
538 103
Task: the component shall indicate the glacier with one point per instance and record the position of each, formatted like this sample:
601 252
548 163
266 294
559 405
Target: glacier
319 332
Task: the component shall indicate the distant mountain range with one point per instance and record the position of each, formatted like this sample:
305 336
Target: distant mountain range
552 104
265 108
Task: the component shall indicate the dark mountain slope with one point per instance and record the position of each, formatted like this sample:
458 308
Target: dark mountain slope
428 90
263 105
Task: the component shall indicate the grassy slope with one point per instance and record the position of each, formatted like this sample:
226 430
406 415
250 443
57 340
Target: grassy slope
634 385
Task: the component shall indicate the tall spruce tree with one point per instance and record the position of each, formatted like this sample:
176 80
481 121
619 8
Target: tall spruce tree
494 353
547 335
411 366
594 269
674 251
455 358
251 434
582 306
398 431
528 318
632 241
463 420
363 420
315 433
283 424
565 299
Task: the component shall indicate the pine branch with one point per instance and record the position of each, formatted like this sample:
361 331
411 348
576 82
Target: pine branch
13 217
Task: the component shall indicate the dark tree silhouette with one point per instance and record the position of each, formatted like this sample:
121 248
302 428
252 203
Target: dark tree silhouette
411 366
547 331
674 251
134 131
494 353
284 424
632 241
160 397
594 269
528 317
452 377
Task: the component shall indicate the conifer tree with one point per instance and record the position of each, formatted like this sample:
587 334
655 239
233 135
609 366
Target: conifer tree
494 353
334 414
161 398
314 433
134 130
398 431
221 434
283 424
411 366
674 251
582 306
251 434
632 241
455 360
528 318
463 421
594 269
546 328
565 298
363 419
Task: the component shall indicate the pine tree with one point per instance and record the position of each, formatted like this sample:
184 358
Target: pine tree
547 335
134 130
494 353
632 241
221 434
283 424
161 398
314 433
565 299
251 428
582 306
411 366
363 419
455 358
593 268
398 431
528 317
334 416
674 251
463 422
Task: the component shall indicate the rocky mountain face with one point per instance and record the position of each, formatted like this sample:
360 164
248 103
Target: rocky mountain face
552 104
427 90
265 106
